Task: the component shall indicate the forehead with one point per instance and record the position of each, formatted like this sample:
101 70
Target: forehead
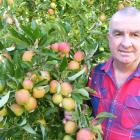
125 23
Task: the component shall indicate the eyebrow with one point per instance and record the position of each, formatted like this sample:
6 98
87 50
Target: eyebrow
115 31
119 31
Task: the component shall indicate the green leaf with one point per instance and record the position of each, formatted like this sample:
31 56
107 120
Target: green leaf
53 62
81 91
50 111
4 99
43 40
33 25
78 98
1 46
29 129
105 115
42 83
90 90
58 88
28 32
83 18
67 26
63 64
99 135
1 118
36 33
43 131
75 76
20 36
11 84
17 65
75 115
1 26
17 40
6 67
26 64
24 121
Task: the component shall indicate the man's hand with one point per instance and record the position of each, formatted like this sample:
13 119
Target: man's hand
67 116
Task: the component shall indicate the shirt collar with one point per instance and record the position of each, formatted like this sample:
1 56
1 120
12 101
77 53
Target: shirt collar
108 65
108 68
137 72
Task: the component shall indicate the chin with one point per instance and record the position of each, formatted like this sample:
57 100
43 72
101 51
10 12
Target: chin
125 61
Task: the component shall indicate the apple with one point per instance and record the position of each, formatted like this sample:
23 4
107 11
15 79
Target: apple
22 96
17 109
27 84
79 56
85 134
66 89
53 86
27 55
31 105
64 47
38 92
68 104
73 65
70 127
57 98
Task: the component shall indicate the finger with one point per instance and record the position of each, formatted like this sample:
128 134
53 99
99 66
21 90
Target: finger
64 121
67 113
68 117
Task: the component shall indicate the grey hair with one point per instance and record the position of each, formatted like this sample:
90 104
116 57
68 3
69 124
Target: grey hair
127 11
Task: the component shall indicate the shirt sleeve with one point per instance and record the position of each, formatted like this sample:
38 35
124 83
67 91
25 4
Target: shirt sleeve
94 101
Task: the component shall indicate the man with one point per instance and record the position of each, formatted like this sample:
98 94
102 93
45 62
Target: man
117 81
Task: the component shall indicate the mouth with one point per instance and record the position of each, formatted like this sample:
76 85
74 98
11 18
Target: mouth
125 51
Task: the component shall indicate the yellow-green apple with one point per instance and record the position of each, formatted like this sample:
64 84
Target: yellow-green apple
70 127
73 65
55 47
66 89
57 98
67 137
64 47
31 105
22 96
53 86
3 112
27 55
68 104
45 75
50 11
17 109
10 2
38 92
85 134
79 56
27 84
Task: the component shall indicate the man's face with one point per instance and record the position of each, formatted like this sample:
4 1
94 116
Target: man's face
124 39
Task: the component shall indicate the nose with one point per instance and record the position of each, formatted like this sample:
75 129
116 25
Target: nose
126 42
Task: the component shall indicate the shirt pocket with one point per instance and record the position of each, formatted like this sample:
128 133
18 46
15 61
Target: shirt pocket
131 112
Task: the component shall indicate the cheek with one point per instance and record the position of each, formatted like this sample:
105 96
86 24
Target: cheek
113 51
114 44
116 41
113 41
137 47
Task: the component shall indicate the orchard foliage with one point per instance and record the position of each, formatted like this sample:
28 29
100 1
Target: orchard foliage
47 49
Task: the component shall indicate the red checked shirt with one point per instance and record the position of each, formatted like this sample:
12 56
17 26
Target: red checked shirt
123 102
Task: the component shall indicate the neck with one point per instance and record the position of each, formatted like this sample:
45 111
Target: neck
123 71
127 68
